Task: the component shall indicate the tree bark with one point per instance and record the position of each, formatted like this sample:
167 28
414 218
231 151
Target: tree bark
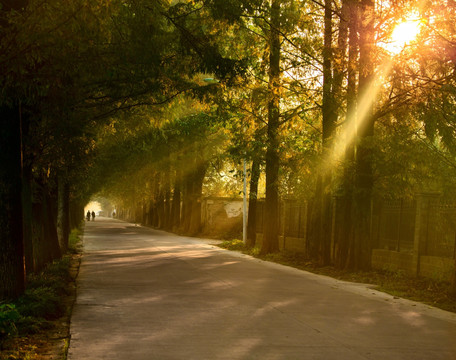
27 216
51 236
44 230
167 200
63 213
176 203
348 36
11 226
364 181
329 124
253 196
271 229
161 208
40 256
76 213
186 204
453 279
198 177
346 246
150 212
155 215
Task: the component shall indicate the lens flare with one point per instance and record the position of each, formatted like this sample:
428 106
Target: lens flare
403 34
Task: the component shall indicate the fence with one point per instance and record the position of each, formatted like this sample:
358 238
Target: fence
292 224
416 236
396 225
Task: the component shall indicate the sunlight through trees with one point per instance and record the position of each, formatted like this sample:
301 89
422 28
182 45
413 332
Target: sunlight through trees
154 105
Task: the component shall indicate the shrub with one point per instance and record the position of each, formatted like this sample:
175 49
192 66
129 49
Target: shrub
9 316
42 302
74 241
235 245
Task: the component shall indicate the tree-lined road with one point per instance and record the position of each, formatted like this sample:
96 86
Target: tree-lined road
145 294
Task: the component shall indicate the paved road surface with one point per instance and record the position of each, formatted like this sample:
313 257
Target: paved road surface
145 294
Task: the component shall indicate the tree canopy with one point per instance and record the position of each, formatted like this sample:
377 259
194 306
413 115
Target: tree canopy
154 104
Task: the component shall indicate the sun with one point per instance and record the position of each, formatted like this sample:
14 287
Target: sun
403 34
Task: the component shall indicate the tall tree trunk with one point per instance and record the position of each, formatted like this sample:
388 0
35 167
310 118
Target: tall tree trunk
150 212
271 229
12 268
45 240
329 125
363 162
27 216
253 196
167 199
161 208
63 213
144 211
187 203
176 204
40 256
453 280
346 246
51 236
76 213
198 177
347 37
11 227
155 215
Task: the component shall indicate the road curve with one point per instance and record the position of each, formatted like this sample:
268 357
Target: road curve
145 294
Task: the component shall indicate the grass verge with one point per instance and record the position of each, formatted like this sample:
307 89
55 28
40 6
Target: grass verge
396 283
36 325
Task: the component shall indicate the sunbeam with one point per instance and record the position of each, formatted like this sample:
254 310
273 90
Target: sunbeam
353 121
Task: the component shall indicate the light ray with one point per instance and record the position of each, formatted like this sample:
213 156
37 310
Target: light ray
348 134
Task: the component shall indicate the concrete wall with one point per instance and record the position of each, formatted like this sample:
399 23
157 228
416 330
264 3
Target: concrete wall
295 244
419 260
286 243
436 267
221 216
393 261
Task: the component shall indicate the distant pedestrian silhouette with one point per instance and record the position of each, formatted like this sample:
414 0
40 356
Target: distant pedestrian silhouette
93 215
88 215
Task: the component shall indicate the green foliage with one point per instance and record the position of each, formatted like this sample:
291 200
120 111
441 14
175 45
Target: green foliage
234 245
55 277
41 302
74 241
9 316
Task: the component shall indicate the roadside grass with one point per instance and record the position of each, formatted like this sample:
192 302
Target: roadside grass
396 283
27 323
74 241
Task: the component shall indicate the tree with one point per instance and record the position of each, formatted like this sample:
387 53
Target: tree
319 245
276 72
271 230
55 93
12 278
11 251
